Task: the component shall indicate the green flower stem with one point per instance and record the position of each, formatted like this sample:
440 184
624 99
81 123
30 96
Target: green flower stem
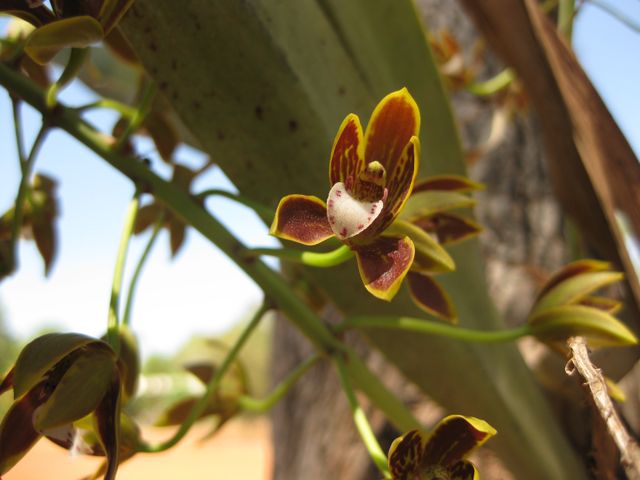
566 12
23 191
123 109
17 125
369 384
71 69
141 112
126 318
114 303
312 259
263 405
199 408
362 424
493 85
430 327
262 211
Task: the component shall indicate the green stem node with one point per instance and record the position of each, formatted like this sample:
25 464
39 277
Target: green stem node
71 69
265 404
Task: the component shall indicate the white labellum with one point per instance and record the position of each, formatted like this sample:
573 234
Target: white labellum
347 215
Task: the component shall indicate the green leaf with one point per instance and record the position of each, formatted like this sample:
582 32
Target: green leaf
41 354
46 41
79 391
557 324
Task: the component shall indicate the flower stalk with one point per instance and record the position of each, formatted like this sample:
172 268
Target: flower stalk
199 408
360 419
263 405
113 324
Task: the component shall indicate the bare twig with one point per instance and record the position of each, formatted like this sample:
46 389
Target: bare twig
629 450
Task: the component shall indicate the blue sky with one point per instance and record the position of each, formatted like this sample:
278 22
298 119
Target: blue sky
201 291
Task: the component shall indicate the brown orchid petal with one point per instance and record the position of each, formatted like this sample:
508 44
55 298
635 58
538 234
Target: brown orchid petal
347 158
606 304
430 296
571 270
454 438
349 216
463 470
450 183
449 227
384 264
405 455
107 425
7 381
302 219
393 122
400 183
17 434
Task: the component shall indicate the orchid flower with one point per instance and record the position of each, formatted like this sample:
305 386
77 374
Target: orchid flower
441 454
371 176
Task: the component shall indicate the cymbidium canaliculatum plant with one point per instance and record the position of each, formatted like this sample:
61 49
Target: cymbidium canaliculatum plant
372 174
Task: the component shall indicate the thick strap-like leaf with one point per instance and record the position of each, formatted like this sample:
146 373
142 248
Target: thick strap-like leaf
451 183
80 390
111 12
17 434
41 354
347 154
393 122
302 219
384 264
557 324
454 438
431 297
449 228
49 39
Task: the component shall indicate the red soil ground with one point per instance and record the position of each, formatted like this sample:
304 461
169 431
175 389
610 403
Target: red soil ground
242 451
